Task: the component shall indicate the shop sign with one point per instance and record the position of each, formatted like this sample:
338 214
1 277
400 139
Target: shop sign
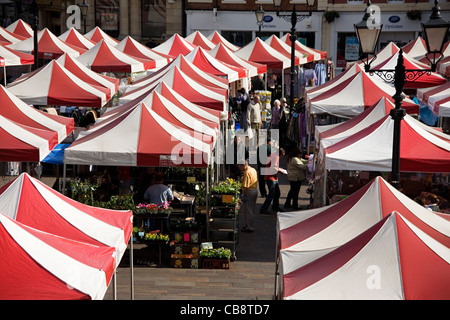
394 19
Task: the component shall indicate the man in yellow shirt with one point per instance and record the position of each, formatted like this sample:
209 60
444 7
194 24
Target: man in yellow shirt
249 184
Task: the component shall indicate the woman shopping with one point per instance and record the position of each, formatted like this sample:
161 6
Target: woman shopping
296 167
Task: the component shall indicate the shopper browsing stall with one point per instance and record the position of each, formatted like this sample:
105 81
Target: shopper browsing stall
249 185
158 192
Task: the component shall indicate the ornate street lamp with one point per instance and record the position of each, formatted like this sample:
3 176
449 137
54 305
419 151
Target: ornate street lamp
84 7
368 32
294 17
259 18
435 33
35 7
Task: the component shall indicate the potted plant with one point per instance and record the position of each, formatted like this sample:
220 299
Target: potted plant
215 258
330 16
414 14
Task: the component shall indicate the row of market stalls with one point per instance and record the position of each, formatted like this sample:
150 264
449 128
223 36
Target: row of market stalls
170 117
371 241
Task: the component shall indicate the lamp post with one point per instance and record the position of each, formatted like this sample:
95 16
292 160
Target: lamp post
368 33
294 17
259 18
84 7
35 8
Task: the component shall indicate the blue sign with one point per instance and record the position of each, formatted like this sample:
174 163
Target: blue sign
268 19
394 19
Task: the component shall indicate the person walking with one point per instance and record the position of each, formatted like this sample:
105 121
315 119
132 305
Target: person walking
296 167
249 185
271 177
262 155
283 124
276 115
254 117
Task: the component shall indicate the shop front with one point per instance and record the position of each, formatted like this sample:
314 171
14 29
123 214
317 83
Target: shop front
397 28
240 27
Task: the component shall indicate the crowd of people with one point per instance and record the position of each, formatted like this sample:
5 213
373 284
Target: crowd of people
263 176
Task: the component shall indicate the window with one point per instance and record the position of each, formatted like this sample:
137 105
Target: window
153 18
107 16
238 38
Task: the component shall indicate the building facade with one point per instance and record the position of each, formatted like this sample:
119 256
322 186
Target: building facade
401 21
329 28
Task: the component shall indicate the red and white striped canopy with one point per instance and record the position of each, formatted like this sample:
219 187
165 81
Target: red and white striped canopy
424 81
18 111
283 48
331 134
174 112
307 237
388 51
124 142
204 61
19 142
20 28
195 92
10 57
104 57
106 232
31 202
421 149
49 46
222 53
316 54
191 70
175 46
37 265
199 39
416 49
260 52
217 38
75 38
352 92
53 84
96 35
7 37
135 49
87 75
437 98
410 266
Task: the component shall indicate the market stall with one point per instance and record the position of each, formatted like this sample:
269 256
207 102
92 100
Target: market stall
21 28
40 265
49 46
283 48
422 149
175 46
7 37
204 61
54 85
307 236
96 35
22 143
222 53
217 38
104 57
75 38
317 54
87 75
413 266
18 111
135 49
105 232
210 97
198 39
